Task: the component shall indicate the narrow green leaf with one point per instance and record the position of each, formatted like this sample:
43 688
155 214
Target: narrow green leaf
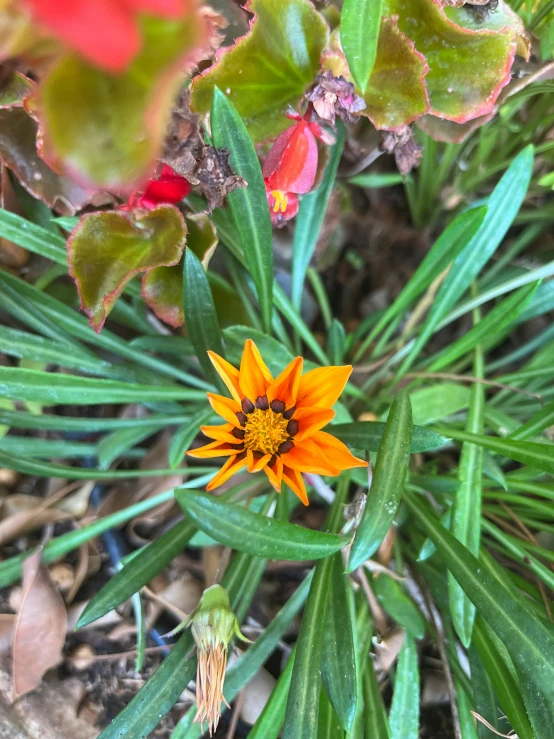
536 455
200 314
530 645
185 435
445 249
398 604
404 712
430 404
51 422
338 662
138 572
376 722
310 219
503 205
57 389
301 716
360 21
32 237
328 724
118 442
466 515
389 476
503 683
499 318
485 698
493 471
376 180
249 205
537 423
269 722
28 446
368 435
255 534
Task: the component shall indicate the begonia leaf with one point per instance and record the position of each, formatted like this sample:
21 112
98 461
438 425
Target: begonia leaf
18 151
15 89
162 287
467 68
109 129
268 69
107 249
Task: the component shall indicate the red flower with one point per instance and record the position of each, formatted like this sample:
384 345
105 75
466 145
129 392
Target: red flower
105 32
167 188
291 167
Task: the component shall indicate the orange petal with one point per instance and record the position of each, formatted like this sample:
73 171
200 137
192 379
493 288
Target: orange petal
214 449
228 470
285 387
228 373
306 456
322 387
255 464
311 420
336 452
254 374
225 407
221 433
295 481
275 474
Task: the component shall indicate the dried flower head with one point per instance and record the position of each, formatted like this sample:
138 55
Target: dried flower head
335 96
274 424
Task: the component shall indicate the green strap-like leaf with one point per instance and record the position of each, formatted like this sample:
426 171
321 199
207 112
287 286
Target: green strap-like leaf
530 645
256 534
399 605
200 314
360 21
301 716
338 664
249 205
389 476
368 435
185 435
310 219
139 571
269 722
376 722
404 712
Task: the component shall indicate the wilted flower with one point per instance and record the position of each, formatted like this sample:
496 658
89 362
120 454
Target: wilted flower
167 188
407 152
334 96
105 32
213 624
291 167
274 424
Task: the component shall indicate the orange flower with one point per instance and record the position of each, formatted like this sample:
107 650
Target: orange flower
275 424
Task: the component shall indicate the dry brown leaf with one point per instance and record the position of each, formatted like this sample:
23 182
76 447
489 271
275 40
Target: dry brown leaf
40 627
7 621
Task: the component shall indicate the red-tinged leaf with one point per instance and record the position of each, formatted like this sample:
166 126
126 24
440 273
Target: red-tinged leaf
162 287
448 131
18 151
40 627
107 249
467 68
269 68
109 129
15 90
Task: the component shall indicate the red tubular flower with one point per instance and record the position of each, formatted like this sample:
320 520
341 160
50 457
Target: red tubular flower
291 167
105 32
168 188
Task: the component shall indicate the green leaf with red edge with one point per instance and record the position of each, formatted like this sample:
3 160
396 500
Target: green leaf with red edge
269 68
109 129
107 249
395 94
467 68
15 89
162 287
18 151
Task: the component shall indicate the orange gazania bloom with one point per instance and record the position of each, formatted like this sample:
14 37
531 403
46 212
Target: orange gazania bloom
274 424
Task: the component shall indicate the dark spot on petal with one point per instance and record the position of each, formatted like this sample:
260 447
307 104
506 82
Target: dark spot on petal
292 427
262 402
277 405
290 413
258 455
238 433
285 447
241 418
247 405
240 456
272 460
236 446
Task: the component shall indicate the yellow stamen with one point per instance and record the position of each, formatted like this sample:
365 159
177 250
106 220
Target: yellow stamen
281 201
265 431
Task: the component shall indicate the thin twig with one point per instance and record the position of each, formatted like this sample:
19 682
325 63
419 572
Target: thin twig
479 380
484 721
379 618
237 708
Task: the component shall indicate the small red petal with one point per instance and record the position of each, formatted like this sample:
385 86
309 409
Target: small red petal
168 188
103 31
298 162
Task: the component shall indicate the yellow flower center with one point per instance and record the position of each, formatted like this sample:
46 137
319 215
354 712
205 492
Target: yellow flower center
280 201
265 431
